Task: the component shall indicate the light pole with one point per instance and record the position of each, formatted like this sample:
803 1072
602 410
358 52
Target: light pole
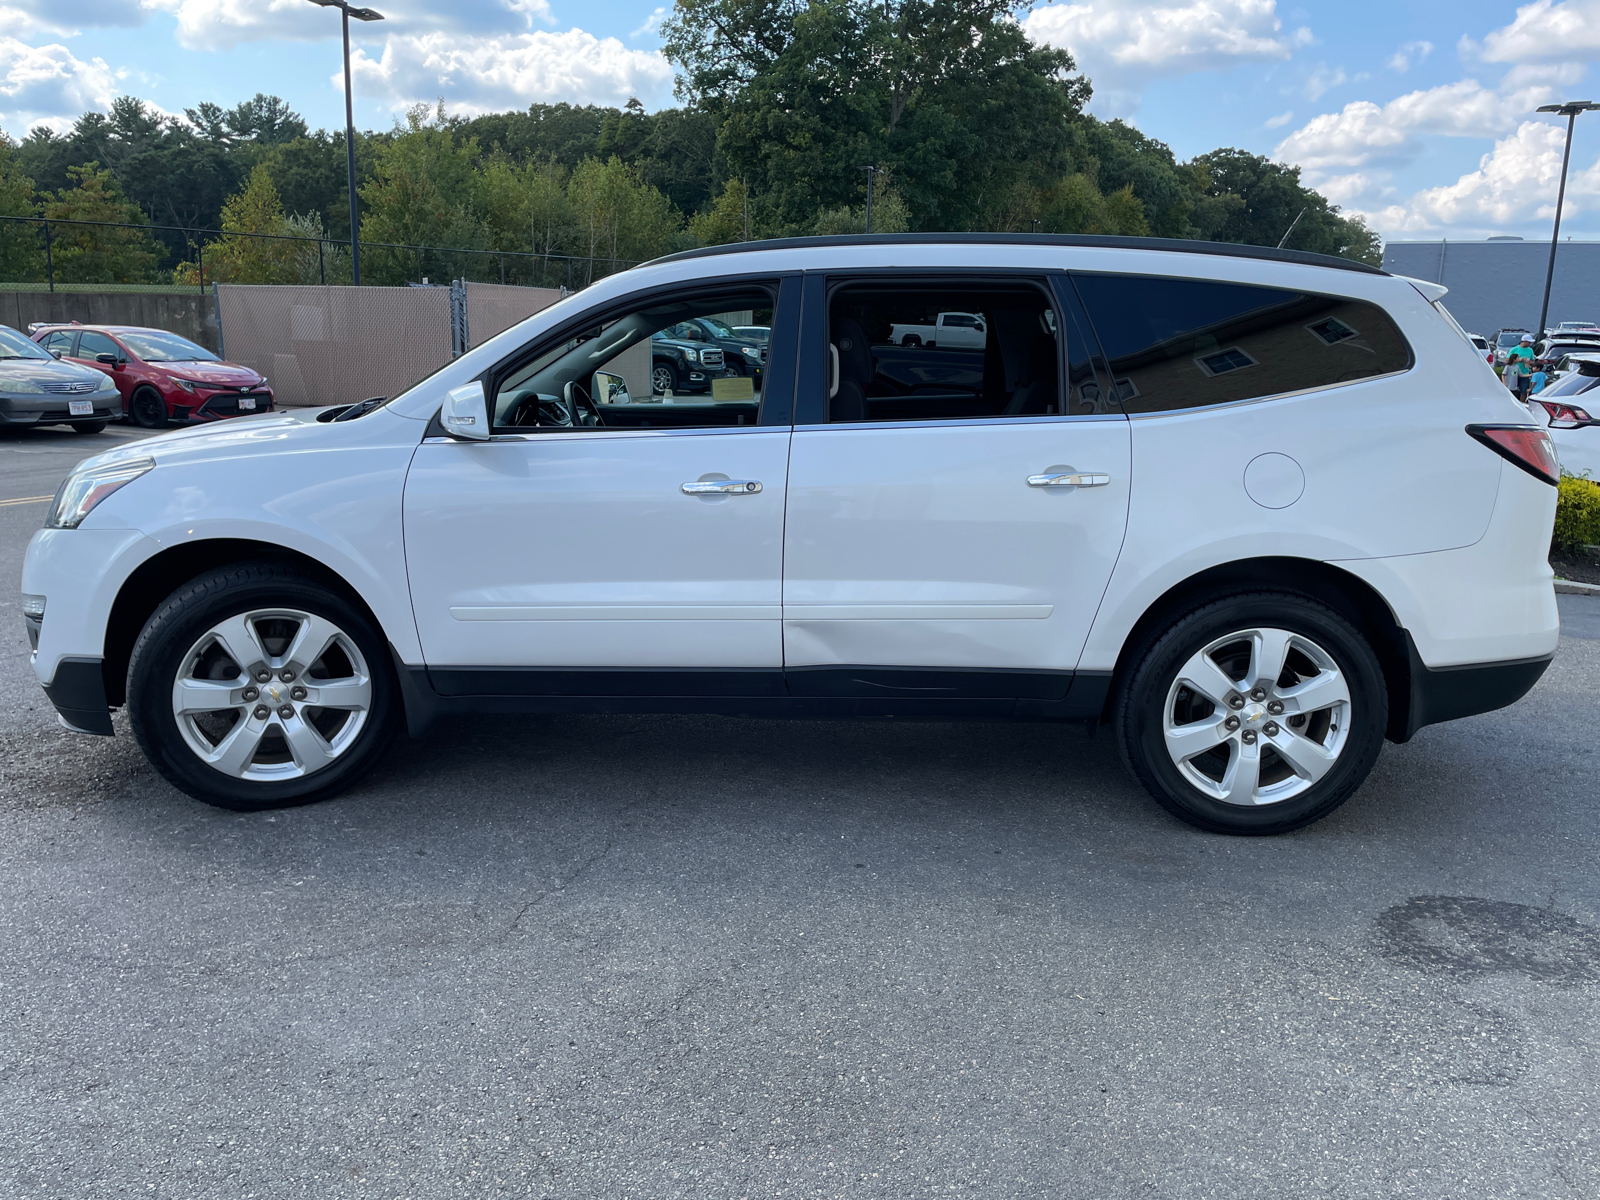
871 171
360 14
1570 110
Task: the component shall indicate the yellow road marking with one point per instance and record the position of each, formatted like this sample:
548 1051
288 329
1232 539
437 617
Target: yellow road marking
25 500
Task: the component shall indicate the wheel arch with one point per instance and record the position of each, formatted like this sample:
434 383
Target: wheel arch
153 580
1350 596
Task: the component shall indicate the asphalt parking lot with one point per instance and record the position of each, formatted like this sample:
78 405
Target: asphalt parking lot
675 957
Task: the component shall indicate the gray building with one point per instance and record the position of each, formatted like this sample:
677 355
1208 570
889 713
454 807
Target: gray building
1499 283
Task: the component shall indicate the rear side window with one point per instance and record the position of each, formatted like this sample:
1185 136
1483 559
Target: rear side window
1191 343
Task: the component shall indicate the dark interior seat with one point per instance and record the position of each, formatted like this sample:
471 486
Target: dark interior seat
856 369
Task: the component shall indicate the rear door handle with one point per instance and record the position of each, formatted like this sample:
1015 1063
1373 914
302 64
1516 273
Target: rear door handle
1084 479
723 487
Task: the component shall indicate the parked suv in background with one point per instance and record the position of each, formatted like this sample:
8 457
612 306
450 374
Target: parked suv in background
1225 500
741 355
35 389
683 360
161 376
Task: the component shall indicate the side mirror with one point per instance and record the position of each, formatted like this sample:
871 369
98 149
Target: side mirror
610 389
466 414
110 360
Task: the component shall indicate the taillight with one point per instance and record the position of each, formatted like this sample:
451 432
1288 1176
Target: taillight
1565 416
1526 445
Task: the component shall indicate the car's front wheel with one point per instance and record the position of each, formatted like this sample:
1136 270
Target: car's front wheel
253 687
147 409
1255 714
663 378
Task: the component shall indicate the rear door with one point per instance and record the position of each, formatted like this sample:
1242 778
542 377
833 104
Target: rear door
954 513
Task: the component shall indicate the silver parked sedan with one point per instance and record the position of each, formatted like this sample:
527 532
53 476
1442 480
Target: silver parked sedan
38 389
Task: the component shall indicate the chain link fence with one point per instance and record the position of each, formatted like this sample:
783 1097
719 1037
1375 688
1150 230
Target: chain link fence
338 345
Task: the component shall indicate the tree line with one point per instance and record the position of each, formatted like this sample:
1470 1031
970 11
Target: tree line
966 123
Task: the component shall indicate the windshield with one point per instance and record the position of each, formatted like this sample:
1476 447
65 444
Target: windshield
14 345
1570 385
1510 339
166 347
718 329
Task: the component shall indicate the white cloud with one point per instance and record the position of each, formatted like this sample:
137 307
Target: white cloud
1411 52
1548 32
651 23
488 74
68 17
223 24
1322 81
1364 132
48 85
1280 120
1122 47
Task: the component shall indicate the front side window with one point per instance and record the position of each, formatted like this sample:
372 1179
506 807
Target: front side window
1190 343
91 344
940 350
659 366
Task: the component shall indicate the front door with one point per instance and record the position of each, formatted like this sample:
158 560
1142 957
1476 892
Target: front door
954 512
605 542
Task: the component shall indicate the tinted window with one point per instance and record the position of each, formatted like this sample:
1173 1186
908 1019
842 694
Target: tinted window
60 341
91 344
1006 363
1571 385
1187 343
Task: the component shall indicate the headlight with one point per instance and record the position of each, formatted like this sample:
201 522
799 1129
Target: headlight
183 383
78 496
750 352
692 355
19 384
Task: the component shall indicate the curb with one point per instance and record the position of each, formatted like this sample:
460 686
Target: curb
1565 587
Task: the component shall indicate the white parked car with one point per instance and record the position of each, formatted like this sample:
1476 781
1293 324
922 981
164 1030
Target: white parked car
1253 562
952 330
1570 409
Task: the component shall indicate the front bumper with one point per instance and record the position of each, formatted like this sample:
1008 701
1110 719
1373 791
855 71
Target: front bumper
45 409
78 691
219 406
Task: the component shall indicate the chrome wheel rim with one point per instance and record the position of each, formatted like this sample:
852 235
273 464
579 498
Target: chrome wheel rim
272 694
1257 717
660 380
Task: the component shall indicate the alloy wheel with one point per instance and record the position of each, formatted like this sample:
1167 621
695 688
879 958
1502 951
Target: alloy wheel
662 380
1257 716
273 694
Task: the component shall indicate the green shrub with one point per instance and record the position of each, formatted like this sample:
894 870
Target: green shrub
1577 515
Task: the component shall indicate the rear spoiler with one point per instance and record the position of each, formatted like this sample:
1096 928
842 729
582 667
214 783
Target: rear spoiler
1431 292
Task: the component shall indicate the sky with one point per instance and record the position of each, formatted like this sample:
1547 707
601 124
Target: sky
1419 115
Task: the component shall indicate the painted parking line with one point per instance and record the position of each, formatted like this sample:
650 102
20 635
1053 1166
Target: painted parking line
25 500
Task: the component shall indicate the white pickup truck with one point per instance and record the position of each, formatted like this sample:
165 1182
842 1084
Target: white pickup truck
954 331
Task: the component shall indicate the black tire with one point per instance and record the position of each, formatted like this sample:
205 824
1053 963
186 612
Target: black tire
147 409
162 651
89 426
911 339
1139 713
663 378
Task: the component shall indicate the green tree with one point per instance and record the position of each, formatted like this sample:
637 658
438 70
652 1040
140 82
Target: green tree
21 258
726 219
617 216
1270 196
242 259
426 190
99 253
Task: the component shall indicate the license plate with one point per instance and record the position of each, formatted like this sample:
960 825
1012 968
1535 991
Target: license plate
80 408
247 404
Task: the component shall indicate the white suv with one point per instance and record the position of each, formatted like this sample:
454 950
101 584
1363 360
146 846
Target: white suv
1255 510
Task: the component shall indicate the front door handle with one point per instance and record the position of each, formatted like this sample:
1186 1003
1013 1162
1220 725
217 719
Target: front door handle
1084 479
723 487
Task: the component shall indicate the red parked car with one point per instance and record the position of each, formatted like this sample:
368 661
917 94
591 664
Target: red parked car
162 377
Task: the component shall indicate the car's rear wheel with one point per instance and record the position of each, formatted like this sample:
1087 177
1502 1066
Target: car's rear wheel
147 409
1256 714
663 378
253 687
89 426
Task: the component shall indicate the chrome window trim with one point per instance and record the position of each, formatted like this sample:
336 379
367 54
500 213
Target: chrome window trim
612 434
966 422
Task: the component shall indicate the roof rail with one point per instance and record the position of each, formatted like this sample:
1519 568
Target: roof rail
1170 245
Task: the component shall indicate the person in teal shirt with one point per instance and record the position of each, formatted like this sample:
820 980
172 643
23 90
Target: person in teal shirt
1519 365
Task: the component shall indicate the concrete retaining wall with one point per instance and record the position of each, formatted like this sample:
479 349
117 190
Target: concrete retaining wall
193 315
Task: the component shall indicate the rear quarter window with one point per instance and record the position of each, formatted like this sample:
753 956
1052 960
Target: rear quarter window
1192 343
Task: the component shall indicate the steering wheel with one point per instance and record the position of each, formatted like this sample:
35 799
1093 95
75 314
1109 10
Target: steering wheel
581 410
